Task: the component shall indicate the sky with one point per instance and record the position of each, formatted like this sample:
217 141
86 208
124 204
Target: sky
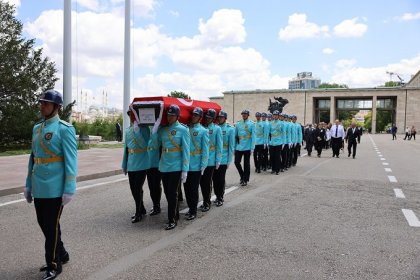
206 47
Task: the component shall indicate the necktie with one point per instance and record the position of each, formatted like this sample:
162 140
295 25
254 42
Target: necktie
336 130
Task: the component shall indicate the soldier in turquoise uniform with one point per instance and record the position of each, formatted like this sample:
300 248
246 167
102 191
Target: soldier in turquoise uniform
260 142
299 139
215 157
174 139
276 143
266 124
199 157
269 119
285 141
136 163
291 140
219 175
51 180
154 176
245 144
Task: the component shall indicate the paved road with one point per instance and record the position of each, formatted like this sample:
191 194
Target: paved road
326 218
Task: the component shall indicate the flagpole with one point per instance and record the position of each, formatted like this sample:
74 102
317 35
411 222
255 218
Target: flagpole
126 121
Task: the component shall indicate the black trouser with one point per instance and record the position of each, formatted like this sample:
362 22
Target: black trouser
219 181
48 213
258 156
136 180
284 154
265 162
407 136
309 147
319 146
394 136
171 183
296 153
336 145
275 156
289 156
206 184
243 173
153 180
350 145
191 190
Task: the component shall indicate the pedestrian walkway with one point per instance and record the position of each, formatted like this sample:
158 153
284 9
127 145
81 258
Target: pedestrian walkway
92 164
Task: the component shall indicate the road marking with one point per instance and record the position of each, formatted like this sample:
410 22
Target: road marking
231 189
385 163
79 188
383 158
399 193
411 218
388 170
392 179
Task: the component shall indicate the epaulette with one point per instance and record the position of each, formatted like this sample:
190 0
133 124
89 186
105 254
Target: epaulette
65 123
39 122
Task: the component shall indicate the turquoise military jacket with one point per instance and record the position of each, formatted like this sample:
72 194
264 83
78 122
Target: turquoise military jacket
299 133
260 133
154 153
267 131
245 135
215 144
135 156
199 148
228 136
293 133
175 143
52 167
276 133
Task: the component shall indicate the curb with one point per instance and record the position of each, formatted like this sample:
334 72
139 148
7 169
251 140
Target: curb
16 190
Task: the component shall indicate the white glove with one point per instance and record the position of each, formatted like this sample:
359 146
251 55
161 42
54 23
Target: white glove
252 151
202 170
67 197
217 165
265 146
290 145
184 176
28 195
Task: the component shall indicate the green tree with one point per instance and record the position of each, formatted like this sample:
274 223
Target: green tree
334 85
392 84
179 94
24 73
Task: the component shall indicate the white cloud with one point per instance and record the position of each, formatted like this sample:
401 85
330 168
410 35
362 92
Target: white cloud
224 27
141 8
298 28
350 28
88 4
174 13
345 63
355 76
408 17
328 51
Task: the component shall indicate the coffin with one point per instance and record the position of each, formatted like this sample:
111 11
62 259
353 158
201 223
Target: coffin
152 110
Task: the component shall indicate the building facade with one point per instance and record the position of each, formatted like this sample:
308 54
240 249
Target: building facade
397 105
304 80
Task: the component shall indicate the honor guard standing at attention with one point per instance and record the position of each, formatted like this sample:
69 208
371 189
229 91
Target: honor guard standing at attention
285 142
199 157
215 157
260 142
154 176
51 179
228 136
276 143
136 163
269 120
299 139
245 144
174 139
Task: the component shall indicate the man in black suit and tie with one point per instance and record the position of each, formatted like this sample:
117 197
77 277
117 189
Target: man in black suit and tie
352 138
337 135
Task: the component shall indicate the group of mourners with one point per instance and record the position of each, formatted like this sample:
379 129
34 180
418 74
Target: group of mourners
198 154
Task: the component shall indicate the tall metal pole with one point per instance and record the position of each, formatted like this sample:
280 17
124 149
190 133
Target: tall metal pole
67 94
126 121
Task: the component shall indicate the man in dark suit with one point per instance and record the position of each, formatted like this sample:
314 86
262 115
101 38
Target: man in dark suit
352 138
309 138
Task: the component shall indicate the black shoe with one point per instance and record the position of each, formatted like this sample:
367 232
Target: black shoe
170 226
136 219
51 274
180 199
205 208
281 170
245 183
201 206
272 172
64 259
219 203
190 217
318 155
349 155
259 171
338 156
354 156
277 173
154 211
264 169
242 182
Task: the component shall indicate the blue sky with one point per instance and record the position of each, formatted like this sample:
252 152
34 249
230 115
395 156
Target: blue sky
206 47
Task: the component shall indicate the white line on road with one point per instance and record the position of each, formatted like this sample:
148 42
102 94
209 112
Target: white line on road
231 189
388 169
399 193
80 188
385 163
411 218
392 179
383 158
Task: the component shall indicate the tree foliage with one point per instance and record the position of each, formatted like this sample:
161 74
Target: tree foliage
392 84
333 85
179 94
100 127
24 73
